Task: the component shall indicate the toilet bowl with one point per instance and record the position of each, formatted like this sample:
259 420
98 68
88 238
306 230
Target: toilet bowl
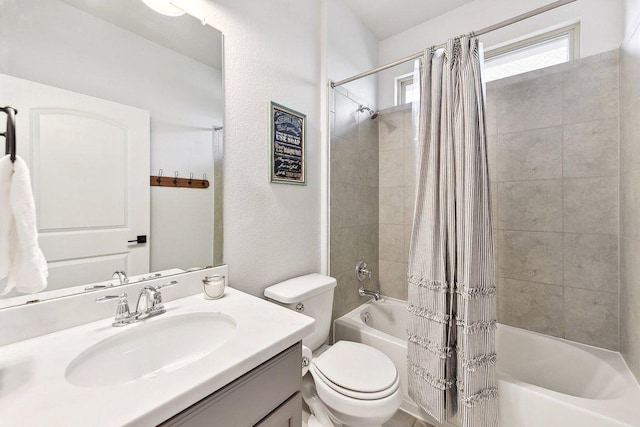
348 383
358 384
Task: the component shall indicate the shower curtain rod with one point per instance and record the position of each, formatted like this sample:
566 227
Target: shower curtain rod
486 30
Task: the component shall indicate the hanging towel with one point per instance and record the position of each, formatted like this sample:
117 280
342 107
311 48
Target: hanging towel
7 224
28 268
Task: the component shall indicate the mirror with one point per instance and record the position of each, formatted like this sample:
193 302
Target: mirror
111 94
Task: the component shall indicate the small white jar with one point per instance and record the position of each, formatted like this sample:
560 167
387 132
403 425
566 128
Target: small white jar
213 286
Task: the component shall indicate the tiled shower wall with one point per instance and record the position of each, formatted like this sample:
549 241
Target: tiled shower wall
630 201
554 167
354 199
397 186
553 148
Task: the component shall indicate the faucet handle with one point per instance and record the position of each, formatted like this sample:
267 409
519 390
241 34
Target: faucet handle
171 283
123 314
157 306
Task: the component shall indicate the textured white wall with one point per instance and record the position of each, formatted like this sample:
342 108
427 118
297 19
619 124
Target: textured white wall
272 53
352 49
601 27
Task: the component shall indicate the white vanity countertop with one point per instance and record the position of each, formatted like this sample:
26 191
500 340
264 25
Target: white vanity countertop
34 391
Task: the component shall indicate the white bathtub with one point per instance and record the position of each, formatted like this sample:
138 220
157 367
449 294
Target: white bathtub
543 381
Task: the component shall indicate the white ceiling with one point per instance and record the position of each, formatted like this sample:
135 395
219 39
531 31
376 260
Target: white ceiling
386 18
183 34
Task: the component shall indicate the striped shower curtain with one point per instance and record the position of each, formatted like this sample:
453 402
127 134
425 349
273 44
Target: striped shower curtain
451 277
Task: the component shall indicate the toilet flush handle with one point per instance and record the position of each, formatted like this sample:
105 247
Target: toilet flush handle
300 307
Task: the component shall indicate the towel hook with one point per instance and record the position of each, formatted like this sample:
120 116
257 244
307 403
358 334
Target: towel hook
190 179
175 179
10 133
159 179
204 179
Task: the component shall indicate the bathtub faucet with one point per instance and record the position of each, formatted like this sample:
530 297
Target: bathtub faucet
365 292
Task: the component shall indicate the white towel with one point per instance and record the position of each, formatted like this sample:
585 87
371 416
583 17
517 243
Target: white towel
28 269
7 226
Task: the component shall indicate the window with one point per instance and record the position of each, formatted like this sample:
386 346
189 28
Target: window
548 49
545 50
405 89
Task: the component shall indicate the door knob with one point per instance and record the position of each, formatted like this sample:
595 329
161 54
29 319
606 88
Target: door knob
139 240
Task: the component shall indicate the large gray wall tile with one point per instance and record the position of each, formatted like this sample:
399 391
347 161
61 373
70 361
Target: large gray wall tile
630 137
530 104
345 211
530 256
409 128
530 205
590 92
391 127
630 204
591 149
344 154
409 204
392 243
368 203
591 261
392 168
591 317
392 205
591 205
533 306
344 248
410 166
529 155
393 279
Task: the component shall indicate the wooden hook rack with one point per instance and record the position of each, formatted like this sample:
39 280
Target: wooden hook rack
167 181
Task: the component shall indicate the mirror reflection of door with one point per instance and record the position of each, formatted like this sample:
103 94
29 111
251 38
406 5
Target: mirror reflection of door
123 53
91 187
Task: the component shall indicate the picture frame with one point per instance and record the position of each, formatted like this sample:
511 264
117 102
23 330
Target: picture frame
288 145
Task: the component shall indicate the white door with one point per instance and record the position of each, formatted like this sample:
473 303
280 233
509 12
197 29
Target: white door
89 162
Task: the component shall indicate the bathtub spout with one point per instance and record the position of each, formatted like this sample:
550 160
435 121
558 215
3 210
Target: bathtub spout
365 292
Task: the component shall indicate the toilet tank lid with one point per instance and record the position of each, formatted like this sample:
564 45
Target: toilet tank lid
300 288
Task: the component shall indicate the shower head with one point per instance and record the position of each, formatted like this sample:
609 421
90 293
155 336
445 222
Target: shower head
372 114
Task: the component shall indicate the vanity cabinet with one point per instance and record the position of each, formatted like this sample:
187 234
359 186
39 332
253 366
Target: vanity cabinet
267 396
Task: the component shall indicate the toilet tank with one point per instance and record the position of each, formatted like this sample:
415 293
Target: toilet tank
311 295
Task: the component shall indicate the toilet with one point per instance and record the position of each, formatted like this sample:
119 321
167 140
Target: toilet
348 383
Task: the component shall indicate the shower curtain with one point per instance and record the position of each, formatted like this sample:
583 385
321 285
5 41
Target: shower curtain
451 277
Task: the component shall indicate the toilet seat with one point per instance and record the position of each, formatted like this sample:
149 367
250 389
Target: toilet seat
357 371
354 394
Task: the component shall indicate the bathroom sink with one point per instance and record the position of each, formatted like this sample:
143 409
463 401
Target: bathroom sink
147 349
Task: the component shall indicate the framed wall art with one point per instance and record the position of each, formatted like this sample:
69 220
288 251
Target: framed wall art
288 139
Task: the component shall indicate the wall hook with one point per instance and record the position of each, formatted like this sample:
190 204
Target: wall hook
159 179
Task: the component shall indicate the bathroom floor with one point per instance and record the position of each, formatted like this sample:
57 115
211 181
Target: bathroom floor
400 419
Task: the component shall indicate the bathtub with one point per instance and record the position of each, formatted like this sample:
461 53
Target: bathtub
543 381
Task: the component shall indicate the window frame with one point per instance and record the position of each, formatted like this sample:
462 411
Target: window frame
573 31
400 83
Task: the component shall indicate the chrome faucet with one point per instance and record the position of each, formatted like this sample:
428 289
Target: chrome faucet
150 297
122 276
365 292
